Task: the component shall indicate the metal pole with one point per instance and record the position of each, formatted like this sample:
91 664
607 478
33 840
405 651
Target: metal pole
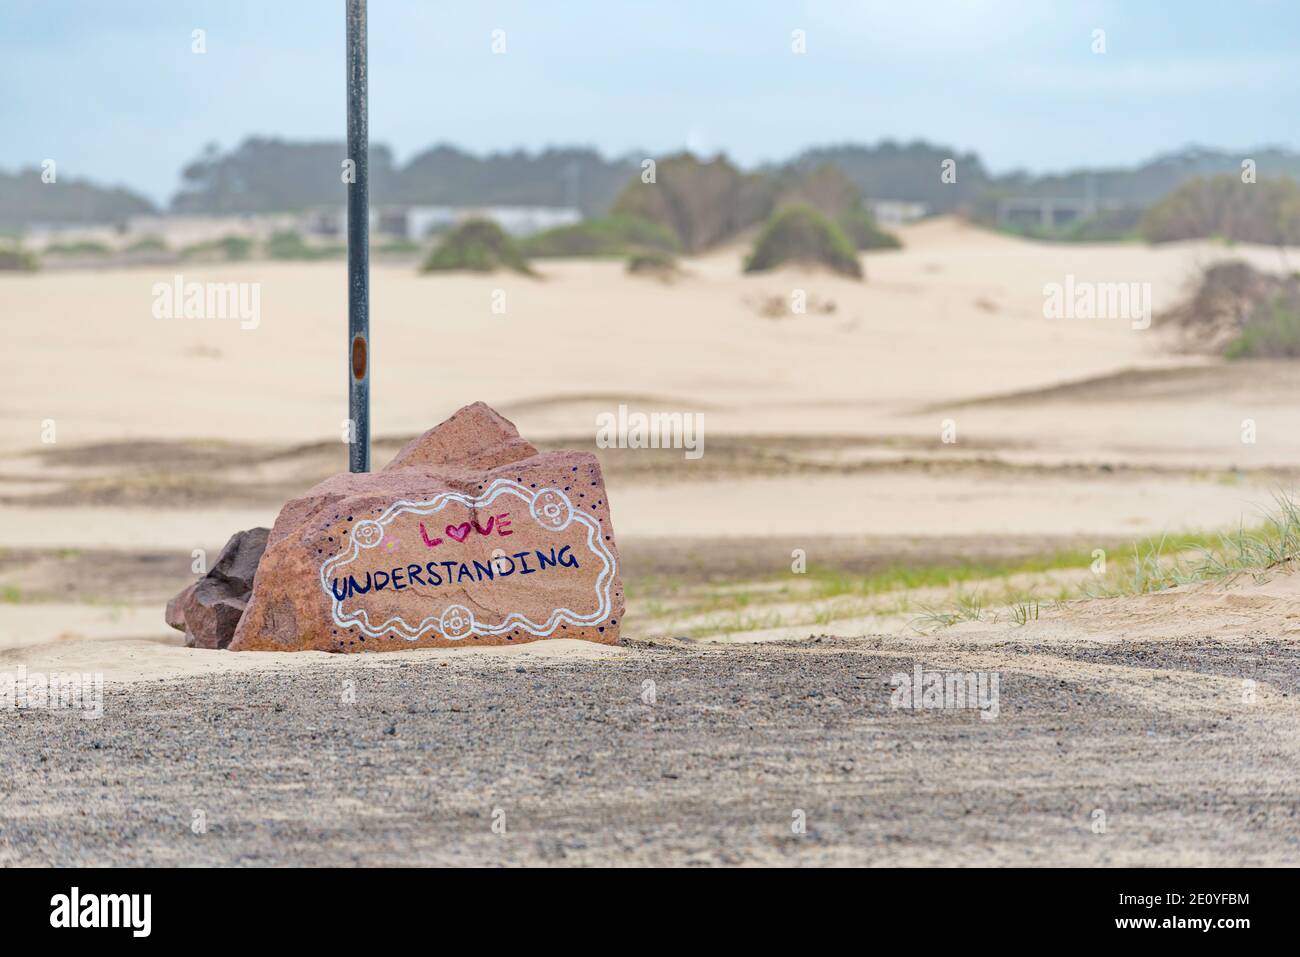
358 243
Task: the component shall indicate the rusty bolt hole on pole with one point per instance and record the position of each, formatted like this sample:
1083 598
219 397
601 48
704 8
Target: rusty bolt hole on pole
359 358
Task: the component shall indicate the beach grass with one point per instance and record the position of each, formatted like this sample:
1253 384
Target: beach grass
1016 591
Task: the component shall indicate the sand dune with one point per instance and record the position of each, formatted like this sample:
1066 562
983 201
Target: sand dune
171 433
957 314
1173 712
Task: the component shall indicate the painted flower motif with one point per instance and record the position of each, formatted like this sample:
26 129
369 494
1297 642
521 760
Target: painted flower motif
552 508
457 622
367 534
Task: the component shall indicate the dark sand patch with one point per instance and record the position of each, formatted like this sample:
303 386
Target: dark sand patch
195 475
126 576
1259 380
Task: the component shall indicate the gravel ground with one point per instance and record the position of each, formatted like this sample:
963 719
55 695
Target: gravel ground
558 761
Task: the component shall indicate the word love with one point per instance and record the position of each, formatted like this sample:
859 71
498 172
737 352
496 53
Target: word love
461 532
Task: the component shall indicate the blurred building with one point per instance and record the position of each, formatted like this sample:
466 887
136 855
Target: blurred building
417 223
896 212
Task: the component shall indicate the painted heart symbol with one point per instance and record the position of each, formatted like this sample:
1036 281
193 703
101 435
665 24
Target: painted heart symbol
459 532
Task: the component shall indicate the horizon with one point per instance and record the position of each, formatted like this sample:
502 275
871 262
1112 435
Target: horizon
164 202
1017 85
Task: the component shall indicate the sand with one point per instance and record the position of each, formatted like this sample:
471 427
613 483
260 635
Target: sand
1070 435
955 315
1117 751
1082 430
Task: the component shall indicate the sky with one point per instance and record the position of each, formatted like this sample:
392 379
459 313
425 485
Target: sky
113 91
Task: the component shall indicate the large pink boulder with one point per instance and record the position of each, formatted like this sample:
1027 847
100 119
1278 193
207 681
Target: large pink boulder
468 537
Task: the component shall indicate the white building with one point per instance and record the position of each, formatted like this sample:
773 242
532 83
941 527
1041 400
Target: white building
418 223
896 212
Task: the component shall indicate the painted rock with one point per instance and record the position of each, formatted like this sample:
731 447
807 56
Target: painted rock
468 537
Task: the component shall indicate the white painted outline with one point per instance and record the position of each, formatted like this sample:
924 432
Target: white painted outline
361 618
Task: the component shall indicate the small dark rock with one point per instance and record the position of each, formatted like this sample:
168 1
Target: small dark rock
209 610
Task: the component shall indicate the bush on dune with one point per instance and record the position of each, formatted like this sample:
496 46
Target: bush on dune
1116 225
1272 331
83 247
707 202
656 264
1267 211
830 192
611 237
1240 312
147 244
861 229
15 259
229 248
291 245
701 202
800 234
477 245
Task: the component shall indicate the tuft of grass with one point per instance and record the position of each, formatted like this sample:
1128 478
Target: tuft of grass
969 607
1159 564
829 583
1014 590
1024 612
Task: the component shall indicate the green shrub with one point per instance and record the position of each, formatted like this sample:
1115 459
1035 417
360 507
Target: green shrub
291 245
1272 331
654 262
1107 226
235 247
84 247
147 244
15 259
861 229
707 202
1267 211
800 234
615 236
230 248
702 203
477 245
